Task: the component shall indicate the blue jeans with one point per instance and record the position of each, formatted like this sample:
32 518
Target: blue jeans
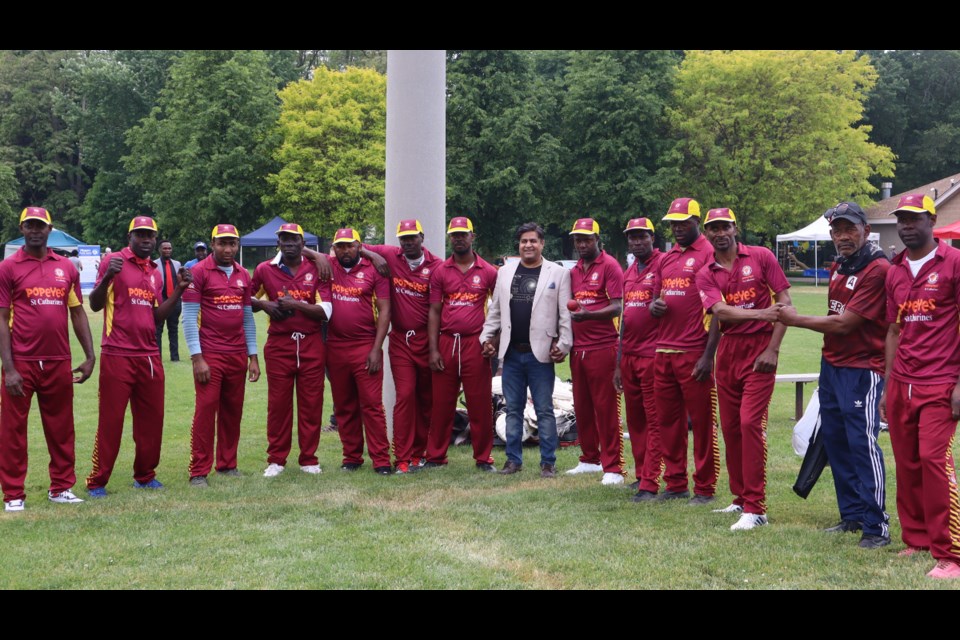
521 370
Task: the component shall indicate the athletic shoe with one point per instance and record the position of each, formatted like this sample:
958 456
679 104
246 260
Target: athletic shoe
312 469
350 466
945 570
911 551
611 479
383 471
749 521
230 473
64 497
733 508
402 468
585 467
698 499
199 481
13 505
431 465
486 467
99 492
634 486
845 526
673 495
871 541
153 484
273 470
644 496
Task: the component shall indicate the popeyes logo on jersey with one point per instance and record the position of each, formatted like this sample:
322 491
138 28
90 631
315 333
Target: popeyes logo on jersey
296 294
916 310
643 295
741 298
40 296
140 296
676 283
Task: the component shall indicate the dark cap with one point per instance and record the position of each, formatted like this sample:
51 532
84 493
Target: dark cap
847 211
200 245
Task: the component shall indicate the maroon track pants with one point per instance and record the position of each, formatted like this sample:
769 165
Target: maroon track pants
358 402
139 382
921 432
218 410
294 360
596 404
463 363
744 398
52 382
677 396
636 374
410 363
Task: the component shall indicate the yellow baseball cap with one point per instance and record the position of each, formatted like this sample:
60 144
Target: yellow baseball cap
143 222
408 228
683 209
460 224
639 224
346 235
225 231
916 202
720 215
35 213
585 226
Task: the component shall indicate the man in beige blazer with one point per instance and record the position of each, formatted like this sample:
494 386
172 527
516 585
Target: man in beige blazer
529 320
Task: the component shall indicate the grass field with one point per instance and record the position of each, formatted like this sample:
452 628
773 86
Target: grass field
447 528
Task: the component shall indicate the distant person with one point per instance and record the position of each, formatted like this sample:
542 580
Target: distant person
168 269
38 292
200 252
75 260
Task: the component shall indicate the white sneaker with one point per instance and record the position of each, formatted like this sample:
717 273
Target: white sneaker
309 468
13 505
272 470
64 497
733 508
749 521
612 478
585 467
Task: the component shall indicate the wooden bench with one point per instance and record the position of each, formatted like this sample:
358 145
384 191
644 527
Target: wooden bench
800 379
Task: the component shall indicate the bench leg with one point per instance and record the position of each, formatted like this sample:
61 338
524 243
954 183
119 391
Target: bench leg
799 411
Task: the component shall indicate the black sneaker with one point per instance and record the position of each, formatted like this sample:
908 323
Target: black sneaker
644 496
383 471
350 466
634 486
486 467
233 473
699 499
845 526
871 541
673 495
431 465
199 481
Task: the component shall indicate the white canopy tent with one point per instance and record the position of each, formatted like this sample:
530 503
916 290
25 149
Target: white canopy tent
816 232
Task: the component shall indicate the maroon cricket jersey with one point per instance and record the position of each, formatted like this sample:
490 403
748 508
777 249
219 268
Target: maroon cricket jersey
926 308
39 294
221 301
129 328
863 293
464 295
685 325
270 279
747 285
410 289
354 296
639 326
594 288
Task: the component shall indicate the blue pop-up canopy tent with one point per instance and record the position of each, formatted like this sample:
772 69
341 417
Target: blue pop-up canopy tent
266 236
56 240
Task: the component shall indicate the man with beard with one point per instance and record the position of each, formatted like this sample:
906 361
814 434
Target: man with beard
736 288
288 289
168 268
410 267
529 319
224 351
683 365
634 373
129 291
357 329
596 283
923 385
38 291
459 290
851 370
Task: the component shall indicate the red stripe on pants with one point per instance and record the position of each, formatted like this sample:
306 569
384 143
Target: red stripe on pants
219 409
358 402
294 360
410 363
138 381
921 432
677 396
744 396
636 374
52 382
596 404
474 373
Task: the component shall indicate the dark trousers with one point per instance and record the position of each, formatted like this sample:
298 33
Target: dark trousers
173 331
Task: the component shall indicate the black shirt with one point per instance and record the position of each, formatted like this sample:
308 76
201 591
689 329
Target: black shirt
522 290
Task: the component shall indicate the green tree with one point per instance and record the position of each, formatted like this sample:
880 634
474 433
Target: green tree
915 110
202 155
775 135
9 202
332 157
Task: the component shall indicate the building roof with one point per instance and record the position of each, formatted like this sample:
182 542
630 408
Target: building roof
946 188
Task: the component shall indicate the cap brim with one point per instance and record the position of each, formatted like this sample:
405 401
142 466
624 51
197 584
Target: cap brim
43 220
143 229
345 241
912 210
711 221
412 232
226 235
680 217
582 232
848 218
629 229
457 230
296 233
